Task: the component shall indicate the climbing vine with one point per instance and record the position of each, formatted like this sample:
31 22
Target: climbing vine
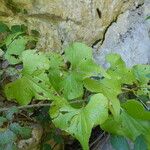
81 94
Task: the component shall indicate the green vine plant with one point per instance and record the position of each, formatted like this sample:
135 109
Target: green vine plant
81 94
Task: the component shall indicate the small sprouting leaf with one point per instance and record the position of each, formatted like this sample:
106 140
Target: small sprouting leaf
140 143
79 122
138 112
119 142
24 132
3 28
7 137
34 81
15 49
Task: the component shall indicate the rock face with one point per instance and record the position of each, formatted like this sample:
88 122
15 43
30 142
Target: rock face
63 21
128 36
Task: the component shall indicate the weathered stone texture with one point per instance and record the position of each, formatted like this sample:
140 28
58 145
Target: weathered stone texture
129 36
62 21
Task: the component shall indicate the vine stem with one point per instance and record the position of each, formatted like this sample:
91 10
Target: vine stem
36 105
27 106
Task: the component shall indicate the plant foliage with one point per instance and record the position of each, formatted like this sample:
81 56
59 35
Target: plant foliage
107 97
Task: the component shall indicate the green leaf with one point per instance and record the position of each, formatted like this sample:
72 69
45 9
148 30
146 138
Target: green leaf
82 67
78 52
140 143
24 132
7 137
55 78
56 60
115 60
15 49
10 38
72 86
138 112
34 62
110 88
118 69
127 126
88 68
81 59
79 122
55 72
34 81
141 72
3 27
119 142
